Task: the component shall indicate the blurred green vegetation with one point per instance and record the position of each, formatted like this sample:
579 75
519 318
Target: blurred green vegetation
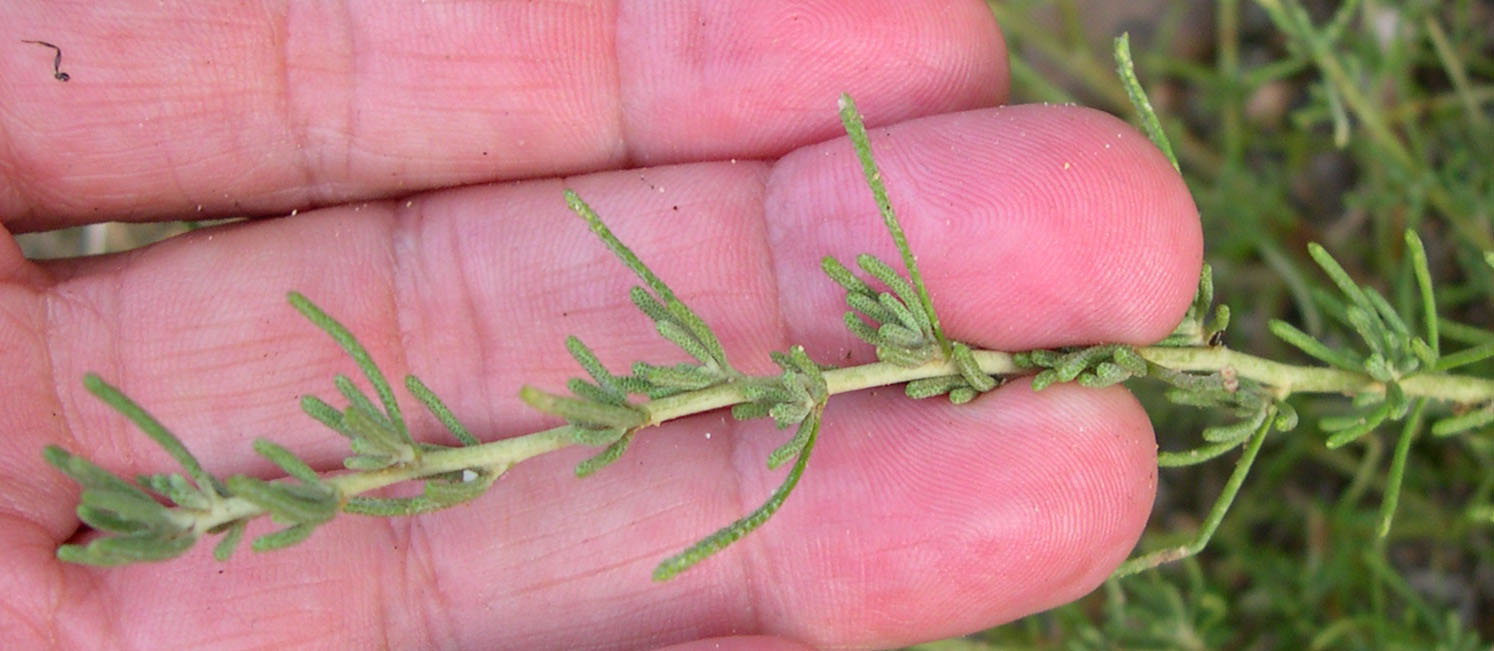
104 237
1337 123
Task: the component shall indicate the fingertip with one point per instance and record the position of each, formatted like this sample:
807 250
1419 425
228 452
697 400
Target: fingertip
1090 234
1035 226
935 520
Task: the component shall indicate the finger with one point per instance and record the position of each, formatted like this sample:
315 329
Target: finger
229 110
925 521
1044 226
478 306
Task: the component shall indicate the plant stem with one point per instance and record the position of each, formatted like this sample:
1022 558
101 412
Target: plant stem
1288 379
497 456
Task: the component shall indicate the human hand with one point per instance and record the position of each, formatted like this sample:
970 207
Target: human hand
1039 227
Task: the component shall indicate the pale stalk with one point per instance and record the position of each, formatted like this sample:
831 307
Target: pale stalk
497 456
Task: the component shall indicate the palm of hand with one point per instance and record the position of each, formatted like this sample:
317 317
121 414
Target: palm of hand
1051 226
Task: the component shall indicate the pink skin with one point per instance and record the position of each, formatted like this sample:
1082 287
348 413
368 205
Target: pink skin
1037 226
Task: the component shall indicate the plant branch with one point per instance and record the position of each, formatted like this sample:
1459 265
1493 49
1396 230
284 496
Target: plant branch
1287 379
497 456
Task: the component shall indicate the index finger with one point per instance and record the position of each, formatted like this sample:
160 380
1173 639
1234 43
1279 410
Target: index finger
228 110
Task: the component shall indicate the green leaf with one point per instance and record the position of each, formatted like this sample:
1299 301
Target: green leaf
749 410
1394 325
434 496
1131 361
619 249
934 386
770 390
1424 353
843 277
809 372
672 566
1039 358
788 413
177 489
125 513
862 331
1286 417
290 463
1126 68
593 366
1347 429
283 538
1203 297
1464 422
1336 273
605 457
686 341
795 445
1304 342
684 377
109 521
87 474
1045 379
372 434
906 299
1465 357
1220 323
1104 374
904 316
367 461
1070 366
1195 456
115 550
582 412
230 541
1236 432
713 353
897 335
1370 329
287 503
325 414
871 306
969 369
446 494
904 357
647 304
152 428
357 400
856 130
439 410
664 306
595 437
1396 475
1379 369
591 392
355 350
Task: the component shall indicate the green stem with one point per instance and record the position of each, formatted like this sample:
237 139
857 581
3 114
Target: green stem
496 457
1287 379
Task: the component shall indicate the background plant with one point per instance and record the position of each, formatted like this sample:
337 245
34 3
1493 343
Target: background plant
1343 124
1412 148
